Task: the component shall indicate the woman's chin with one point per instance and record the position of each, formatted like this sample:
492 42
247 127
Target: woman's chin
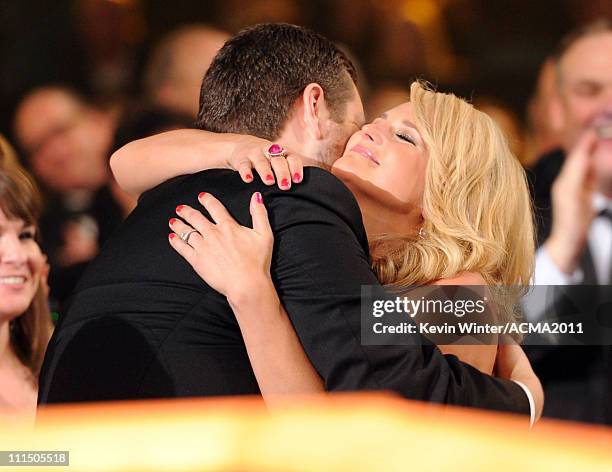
344 166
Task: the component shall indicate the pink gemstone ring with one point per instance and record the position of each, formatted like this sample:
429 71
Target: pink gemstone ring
276 150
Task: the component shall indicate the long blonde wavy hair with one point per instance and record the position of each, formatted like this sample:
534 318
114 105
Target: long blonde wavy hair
476 204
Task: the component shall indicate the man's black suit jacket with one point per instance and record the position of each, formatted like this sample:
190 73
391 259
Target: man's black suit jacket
143 324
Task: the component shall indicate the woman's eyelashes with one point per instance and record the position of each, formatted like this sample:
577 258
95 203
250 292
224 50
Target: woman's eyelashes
405 137
27 234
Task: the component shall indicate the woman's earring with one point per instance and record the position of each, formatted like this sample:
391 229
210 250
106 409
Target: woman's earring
422 233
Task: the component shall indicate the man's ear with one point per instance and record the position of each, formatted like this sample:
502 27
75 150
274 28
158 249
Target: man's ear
314 110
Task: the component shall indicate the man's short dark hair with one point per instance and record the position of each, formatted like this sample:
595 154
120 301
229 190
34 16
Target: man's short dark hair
258 75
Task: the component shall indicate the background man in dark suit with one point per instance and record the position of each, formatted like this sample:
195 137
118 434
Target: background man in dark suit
573 198
142 323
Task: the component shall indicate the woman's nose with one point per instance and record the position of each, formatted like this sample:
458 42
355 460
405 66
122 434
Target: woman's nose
374 131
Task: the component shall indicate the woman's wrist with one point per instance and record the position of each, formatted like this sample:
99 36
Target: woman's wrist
258 292
215 149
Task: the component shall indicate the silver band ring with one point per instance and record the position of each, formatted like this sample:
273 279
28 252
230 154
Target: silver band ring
185 235
276 150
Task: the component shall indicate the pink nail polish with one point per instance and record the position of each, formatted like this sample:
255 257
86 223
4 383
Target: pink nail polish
270 178
179 208
258 197
248 177
285 183
171 235
172 221
201 195
297 178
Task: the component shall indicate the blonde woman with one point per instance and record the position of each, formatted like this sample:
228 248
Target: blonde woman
442 197
25 321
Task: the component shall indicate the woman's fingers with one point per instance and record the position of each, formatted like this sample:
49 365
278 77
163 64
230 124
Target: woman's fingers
579 159
216 209
264 168
296 168
195 219
282 172
184 249
245 169
195 237
259 213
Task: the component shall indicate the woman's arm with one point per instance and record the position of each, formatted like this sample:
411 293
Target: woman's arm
145 163
277 357
142 164
477 355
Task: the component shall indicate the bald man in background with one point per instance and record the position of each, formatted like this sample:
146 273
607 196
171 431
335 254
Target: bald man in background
175 69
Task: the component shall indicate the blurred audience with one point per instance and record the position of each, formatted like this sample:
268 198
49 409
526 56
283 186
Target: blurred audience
66 142
25 320
543 115
399 51
576 236
238 14
413 41
176 67
110 32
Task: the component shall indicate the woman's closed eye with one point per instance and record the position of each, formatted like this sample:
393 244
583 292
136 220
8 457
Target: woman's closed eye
405 137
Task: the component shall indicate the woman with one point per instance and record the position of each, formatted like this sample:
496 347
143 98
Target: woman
440 192
25 321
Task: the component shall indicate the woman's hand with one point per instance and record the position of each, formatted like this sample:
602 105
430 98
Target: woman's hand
232 259
250 153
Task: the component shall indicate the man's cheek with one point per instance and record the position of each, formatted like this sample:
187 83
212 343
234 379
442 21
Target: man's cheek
602 157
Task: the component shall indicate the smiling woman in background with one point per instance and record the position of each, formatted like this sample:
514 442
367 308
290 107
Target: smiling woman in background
25 322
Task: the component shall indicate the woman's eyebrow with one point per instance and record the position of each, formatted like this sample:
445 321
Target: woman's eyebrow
409 123
21 225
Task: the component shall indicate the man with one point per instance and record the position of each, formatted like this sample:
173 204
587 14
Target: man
66 142
175 69
64 139
576 238
142 323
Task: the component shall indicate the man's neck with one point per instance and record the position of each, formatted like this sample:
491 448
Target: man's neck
298 142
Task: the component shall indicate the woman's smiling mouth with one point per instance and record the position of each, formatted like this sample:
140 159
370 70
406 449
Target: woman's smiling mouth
365 152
